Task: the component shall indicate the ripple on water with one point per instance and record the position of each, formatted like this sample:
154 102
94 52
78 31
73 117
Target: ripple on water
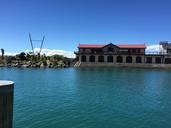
90 98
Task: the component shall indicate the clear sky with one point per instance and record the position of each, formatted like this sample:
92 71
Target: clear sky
65 23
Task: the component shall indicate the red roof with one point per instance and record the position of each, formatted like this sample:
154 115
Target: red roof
91 46
119 45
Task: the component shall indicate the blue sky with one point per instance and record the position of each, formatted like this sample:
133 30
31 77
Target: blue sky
65 23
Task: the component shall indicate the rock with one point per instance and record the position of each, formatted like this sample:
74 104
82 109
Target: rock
24 66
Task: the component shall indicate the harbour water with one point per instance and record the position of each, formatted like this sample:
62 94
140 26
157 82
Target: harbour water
90 97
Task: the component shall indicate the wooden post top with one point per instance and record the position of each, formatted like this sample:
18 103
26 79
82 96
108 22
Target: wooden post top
6 83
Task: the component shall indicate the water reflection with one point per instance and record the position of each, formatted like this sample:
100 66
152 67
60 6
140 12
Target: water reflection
91 97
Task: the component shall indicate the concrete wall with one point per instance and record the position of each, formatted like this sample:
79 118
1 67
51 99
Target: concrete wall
135 65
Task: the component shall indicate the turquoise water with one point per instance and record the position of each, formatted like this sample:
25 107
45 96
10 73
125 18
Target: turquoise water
91 97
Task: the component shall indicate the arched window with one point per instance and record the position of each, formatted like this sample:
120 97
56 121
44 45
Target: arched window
158 60
110 59
119 59
138 59
101 58
92 58
149 60
167 60
129 59
110 49
83 58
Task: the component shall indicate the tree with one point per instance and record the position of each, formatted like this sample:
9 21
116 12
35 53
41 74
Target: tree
22 56
58 57
2 52
28 56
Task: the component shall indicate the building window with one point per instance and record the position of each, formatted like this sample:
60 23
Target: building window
92 58
168 61
133 50
138 59
129 51
101 58
158 60
149 60
83 58
110 59
138 51
110 49
119 59
129 59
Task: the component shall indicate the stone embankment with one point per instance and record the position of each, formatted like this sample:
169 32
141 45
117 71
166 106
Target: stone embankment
35 65
131 65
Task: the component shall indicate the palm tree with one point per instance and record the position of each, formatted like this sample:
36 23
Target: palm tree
2 52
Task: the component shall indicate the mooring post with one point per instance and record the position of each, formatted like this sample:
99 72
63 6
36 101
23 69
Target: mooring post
6 104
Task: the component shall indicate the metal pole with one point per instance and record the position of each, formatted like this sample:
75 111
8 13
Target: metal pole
6 104
41 44
31 43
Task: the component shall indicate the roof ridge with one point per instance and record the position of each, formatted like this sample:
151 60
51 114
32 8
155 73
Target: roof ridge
119 45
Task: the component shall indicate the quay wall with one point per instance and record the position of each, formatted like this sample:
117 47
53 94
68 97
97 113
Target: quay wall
134 65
